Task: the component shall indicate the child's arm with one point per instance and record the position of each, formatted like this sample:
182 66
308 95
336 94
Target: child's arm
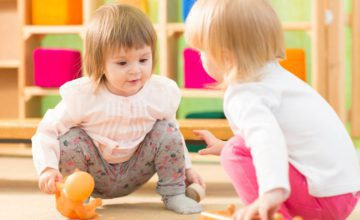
193 177
66 114
265 206
214 145
45 143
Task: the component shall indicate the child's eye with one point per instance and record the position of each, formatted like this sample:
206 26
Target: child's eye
122 63
143 60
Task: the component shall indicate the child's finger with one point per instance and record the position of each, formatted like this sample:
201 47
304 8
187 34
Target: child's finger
51 186
200 133
42 186
205 151
59 178
208 151
202 183
203 134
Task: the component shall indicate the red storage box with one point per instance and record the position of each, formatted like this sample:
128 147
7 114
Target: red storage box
54 67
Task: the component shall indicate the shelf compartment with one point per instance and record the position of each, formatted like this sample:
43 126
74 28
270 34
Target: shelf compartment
9 93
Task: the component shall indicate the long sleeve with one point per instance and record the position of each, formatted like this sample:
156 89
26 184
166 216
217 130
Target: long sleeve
250 111
45 144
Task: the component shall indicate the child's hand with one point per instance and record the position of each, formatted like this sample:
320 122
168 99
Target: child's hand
264 207
193 177
48 179
214 145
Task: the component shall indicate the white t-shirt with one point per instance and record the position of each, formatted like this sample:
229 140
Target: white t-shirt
282 119
116 124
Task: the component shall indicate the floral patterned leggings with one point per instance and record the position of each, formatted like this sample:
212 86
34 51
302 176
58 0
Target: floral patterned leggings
161 152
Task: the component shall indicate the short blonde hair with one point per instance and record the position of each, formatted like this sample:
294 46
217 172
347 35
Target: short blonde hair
249 29
111 28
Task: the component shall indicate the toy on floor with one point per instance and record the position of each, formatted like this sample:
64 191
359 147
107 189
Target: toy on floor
195 192
219 214
71 194
228 213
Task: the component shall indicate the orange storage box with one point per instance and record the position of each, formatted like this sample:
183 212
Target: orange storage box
56 12
295 62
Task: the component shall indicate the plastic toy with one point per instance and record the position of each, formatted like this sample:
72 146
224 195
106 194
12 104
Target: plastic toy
196 192
219 214
71 194
229 212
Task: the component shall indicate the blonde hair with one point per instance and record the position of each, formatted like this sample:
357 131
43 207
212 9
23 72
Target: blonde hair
111 28
249 29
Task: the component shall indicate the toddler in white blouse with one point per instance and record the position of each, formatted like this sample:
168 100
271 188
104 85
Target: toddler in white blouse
119 122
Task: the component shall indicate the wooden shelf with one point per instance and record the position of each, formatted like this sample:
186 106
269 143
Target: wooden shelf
31 91
173 28
9 64
30 30
202 93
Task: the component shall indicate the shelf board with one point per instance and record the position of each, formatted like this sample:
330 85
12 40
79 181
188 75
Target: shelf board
9 64
297 26
288 26
202 93
175 28
31 91
30 30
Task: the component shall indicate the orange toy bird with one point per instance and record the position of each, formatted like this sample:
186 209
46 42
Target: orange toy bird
71 194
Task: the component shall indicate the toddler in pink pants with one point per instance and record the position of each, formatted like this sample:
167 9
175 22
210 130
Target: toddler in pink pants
290 151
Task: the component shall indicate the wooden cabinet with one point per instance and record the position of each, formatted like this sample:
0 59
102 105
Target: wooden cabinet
9 58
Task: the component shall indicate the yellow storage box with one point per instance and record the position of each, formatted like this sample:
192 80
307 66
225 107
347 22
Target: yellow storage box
56 12
141 4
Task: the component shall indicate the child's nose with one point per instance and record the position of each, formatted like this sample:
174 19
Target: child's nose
135 69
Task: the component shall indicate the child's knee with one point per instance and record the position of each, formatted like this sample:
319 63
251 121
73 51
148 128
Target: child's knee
234 148
73 137
167 131
76 147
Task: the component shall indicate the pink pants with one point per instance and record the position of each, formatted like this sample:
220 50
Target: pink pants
237 161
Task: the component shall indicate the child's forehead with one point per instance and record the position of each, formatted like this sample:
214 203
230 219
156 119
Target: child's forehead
123 51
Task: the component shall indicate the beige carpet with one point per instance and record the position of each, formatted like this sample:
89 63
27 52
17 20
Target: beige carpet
20 198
